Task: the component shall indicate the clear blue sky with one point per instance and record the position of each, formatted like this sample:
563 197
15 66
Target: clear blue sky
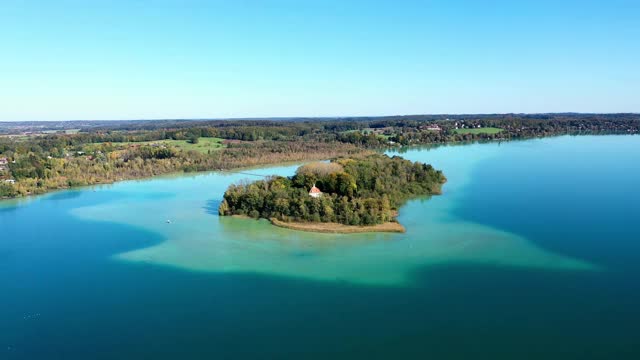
240 58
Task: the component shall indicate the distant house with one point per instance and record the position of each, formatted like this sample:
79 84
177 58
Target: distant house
315 192
10 181
434 128
4 161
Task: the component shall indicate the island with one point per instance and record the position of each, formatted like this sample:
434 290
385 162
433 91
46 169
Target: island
345 195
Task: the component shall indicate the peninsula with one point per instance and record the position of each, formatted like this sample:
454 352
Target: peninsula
346 195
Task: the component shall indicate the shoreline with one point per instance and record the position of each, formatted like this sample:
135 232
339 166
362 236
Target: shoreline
155 176
398 149
330 228
335 228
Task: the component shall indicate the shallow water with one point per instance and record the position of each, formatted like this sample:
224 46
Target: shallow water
531 251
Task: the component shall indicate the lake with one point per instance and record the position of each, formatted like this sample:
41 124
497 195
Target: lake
532 251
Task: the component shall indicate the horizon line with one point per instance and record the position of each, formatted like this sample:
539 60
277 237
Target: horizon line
336 117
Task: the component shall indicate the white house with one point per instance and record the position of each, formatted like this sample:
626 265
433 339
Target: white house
315 192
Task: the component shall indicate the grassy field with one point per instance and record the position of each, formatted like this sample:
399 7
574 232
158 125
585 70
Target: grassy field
203 145
367 131
67 131
487 130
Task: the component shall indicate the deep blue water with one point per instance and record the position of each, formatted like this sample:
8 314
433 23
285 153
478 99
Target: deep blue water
64 295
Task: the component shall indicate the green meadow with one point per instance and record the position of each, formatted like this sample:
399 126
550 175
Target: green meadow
203 145
487 130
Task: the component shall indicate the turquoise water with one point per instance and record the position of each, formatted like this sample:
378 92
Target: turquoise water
533 250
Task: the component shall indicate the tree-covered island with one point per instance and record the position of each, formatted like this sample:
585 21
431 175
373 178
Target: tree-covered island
345 195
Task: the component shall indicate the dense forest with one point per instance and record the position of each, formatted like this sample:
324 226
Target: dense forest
36 157
366 190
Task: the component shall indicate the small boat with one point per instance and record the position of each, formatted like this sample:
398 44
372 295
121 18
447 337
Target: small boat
168 221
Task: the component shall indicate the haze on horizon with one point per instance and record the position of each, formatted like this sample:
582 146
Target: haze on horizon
75 60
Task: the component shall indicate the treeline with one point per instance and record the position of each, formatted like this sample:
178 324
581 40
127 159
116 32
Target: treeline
414 132
401 130
365 190
333 123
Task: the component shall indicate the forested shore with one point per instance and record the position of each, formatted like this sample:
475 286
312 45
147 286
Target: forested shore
36 157
37 175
